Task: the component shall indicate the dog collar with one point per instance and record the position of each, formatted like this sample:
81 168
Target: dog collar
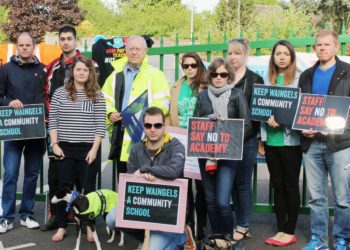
72 199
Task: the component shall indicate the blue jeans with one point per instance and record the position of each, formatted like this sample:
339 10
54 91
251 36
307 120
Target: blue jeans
33 151
319 161
242 192
217 189
158 240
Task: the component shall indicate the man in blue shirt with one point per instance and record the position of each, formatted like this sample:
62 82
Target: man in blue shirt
327 153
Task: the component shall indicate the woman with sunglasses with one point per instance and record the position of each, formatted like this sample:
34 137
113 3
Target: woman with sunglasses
282 150
184 96
221 101
77 126
242 192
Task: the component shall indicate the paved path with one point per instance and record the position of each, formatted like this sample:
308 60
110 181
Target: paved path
263 227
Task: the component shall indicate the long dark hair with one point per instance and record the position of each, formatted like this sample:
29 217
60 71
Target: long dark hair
200 78
91 86
290 71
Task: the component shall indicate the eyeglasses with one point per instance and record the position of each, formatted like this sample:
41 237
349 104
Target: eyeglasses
155 125
192 65
222 75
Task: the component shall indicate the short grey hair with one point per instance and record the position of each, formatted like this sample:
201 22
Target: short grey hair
136 37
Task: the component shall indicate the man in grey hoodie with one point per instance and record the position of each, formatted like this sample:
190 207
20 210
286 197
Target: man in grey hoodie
161 156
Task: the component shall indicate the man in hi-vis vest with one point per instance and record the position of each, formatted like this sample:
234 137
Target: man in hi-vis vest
132 76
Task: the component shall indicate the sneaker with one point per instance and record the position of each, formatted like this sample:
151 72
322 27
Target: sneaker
5 226
314 244
30 223
341 244
190 243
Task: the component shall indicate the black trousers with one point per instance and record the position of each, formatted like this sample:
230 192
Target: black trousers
73 167
284 165
199 204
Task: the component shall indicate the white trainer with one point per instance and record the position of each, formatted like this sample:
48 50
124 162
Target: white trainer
30 223
5 226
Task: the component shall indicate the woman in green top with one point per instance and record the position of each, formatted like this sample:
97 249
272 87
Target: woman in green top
184 96
282 150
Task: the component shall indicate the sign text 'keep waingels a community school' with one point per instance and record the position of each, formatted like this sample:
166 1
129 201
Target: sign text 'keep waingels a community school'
157 205
281 102
23 123
215 139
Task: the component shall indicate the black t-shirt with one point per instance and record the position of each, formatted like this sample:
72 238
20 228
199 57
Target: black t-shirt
105 51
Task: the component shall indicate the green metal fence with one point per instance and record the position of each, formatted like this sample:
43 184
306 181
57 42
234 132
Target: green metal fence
209 49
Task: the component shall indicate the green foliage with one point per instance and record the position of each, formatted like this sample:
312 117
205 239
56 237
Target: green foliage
266 2
226 15
99 20
156 19
334 13
285 23
3 15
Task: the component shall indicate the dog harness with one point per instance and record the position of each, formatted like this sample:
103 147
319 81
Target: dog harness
100 202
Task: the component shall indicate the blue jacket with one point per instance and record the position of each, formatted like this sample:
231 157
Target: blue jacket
22 81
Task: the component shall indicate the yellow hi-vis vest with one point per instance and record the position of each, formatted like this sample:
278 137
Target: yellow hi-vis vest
149 78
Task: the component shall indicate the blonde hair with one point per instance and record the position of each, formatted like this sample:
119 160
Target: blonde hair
240 45
326 32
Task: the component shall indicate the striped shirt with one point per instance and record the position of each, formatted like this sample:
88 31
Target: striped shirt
77 121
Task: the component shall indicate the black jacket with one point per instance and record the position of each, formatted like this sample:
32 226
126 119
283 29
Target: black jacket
237 107
246 85
22 81
339 86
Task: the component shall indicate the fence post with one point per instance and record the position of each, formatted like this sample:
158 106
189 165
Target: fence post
343 45
224 52
209 52
177 58
161 56
258 35
308 47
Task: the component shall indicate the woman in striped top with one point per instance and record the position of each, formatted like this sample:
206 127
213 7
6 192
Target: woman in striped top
76 127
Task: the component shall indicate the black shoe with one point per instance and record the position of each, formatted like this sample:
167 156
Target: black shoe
51 224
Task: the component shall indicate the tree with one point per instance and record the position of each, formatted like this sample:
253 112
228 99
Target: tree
226 15
334 13
39 16
326 13
282 23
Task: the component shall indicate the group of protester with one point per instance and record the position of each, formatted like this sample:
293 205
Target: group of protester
77 112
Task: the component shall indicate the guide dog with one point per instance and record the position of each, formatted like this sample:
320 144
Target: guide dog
86 208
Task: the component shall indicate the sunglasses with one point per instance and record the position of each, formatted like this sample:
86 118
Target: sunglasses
222 75
155 125
192 65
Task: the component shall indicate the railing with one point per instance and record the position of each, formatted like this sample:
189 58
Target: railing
209 50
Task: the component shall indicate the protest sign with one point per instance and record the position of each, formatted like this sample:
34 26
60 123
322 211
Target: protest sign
155 205
314 110
132 117
191 169
24 123
215 139
281 102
